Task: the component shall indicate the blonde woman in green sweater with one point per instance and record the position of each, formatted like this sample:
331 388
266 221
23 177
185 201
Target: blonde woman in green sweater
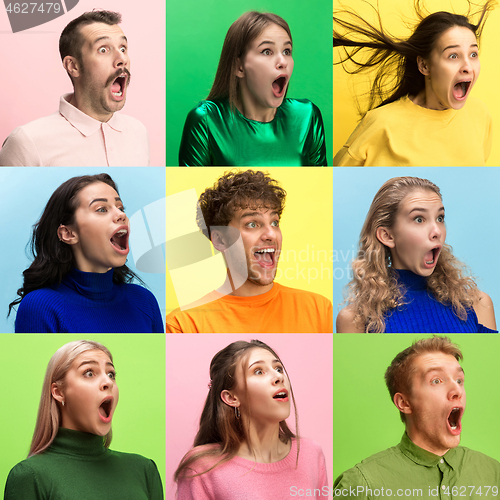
69 455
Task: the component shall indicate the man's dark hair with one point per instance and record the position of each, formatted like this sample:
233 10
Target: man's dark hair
399 375
70 42
238 190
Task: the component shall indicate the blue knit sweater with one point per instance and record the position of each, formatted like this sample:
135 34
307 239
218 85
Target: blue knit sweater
422 313
89 303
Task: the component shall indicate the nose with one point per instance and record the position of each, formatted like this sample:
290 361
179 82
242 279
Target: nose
466 66
436 232
121 59
120 216
280 377
269 232
106 382
281 62
457 391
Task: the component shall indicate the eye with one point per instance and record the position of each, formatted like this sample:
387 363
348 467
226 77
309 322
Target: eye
474 54
123 49
452 56
122 209
258 371
460 381
112 375
435 381
102 50
251 224
419 219
279 369
102 210
266 52
275 223
88 373
287 52
440 218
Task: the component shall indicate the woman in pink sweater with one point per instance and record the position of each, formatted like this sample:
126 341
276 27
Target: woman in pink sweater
244 448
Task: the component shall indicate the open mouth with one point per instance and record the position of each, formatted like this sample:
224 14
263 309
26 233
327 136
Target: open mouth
279 86
119 240
431 256
461 89
281 395
455 420
105 410
118 85
265 256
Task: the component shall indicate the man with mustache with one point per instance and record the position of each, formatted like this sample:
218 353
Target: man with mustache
86 131
426 383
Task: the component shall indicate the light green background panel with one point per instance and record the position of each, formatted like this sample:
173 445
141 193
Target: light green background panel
139 420
196 32
306 259
365 421
397 18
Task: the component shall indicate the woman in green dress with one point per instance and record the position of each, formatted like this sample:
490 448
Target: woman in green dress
246 119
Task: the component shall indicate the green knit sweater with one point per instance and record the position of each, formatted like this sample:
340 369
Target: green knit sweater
77 466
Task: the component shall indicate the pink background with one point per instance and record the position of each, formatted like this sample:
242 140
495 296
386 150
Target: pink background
33 78
307 358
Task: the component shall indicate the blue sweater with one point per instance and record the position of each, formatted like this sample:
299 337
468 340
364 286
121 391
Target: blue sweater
423 313
89 303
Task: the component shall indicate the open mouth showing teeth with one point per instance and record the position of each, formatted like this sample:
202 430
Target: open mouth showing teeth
279 86
280 395
118 85
120 239
105 408
454 418
265 255
461 89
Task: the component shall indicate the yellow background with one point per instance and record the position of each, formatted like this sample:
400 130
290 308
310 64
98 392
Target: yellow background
306 222
394 16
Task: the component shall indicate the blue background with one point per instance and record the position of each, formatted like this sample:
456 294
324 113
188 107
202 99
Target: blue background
471 201
24 192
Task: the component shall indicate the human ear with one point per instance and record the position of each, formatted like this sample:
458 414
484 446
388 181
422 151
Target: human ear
229 399
423 67
67 235
385 237
402 403
72 66
218 241
56 392
240 71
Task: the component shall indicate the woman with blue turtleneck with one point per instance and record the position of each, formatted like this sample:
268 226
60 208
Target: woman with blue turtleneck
405 278
78 281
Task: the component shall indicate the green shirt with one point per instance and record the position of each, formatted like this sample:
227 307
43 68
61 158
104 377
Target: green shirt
215 134
77 466
407 471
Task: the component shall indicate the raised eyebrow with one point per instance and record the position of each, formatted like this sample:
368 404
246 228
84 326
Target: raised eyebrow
270 42
92 362
457 46
441 209
261 361
106 38
105 200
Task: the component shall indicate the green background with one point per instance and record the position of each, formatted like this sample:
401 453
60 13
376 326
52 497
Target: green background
196 32
365 421
139 421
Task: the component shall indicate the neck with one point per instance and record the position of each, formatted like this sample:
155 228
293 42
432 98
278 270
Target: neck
421 443
84 104
252 111
264 445
232 286
422 100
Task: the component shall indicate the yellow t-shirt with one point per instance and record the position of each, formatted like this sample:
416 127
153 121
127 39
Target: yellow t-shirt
404 134
281 310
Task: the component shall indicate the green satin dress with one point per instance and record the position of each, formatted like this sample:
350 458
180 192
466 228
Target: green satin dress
214 134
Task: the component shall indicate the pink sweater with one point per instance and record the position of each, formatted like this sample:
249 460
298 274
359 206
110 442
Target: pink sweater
241 479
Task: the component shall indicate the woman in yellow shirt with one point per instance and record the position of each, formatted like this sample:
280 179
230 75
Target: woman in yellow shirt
419 111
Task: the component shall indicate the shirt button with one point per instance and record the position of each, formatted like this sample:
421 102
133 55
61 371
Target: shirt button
442 461
443 487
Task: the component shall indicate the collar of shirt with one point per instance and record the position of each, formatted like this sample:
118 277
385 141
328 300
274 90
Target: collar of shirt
82 122
426 458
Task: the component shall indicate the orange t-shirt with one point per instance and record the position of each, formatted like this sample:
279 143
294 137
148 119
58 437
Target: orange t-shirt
281 310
